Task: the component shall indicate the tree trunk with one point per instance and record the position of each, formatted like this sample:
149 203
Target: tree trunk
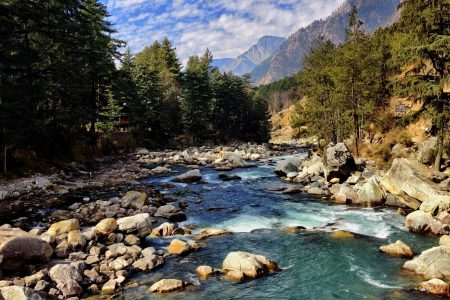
439 149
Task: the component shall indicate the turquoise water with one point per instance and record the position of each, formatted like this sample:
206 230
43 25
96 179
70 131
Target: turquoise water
314 265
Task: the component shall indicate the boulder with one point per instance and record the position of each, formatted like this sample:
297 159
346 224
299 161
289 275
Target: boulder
131 239
171 213
70 288
75 240
427 151
135 200
342 234
118 264
346 195
407 177
18 247
148 262
432 263
65 226
19 293
338 161
167 286
110 286
227 177
422 222
165 229
251 265
419 221
189 177
210 232
62 272
398 249
141 223
160 170
179 247
435 287
234 160
204 271
315 191
371 194
106 226
287 166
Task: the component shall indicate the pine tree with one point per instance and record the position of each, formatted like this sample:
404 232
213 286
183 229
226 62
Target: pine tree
197 95
421 47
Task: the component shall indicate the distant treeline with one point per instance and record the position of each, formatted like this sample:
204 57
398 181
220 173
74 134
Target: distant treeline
60 87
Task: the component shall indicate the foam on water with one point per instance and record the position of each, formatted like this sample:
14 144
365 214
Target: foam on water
247 223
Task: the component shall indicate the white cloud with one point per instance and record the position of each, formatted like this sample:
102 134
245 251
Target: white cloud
226 27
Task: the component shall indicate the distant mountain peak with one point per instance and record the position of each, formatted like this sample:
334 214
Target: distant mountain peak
265 47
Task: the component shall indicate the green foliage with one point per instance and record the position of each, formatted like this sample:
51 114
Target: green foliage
421 50
56 67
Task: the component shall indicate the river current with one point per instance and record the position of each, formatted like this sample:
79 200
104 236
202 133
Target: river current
314 265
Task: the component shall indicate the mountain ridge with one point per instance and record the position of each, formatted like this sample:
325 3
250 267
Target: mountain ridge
288 59
265 47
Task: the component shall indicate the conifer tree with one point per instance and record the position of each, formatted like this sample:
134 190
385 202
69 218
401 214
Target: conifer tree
421 48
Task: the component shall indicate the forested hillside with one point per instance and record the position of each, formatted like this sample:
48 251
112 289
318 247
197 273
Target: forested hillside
61 89
348 87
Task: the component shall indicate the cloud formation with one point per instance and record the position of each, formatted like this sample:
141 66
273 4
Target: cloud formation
226 27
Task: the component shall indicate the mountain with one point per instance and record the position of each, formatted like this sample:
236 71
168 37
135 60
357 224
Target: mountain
256 54
220 62
288 60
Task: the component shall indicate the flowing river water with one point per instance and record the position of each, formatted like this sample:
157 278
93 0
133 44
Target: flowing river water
314 265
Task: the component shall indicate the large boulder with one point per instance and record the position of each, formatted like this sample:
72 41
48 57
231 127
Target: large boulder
106 226
432 263
398 249
134 199
18 247
234 160
189 177
19 293
338 161
65 226
371 194
407 177
62 272
287 166
167 286
76 240
419 221
427 151
171 213
179 247
148 262
250 264
141 223
435 287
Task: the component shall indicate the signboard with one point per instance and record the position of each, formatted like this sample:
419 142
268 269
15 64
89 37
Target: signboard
400 108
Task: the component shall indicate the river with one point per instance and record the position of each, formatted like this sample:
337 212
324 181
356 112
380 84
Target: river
314 265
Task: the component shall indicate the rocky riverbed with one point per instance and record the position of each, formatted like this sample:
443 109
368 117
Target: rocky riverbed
81 232
158 222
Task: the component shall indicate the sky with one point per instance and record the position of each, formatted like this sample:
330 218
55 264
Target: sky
227 27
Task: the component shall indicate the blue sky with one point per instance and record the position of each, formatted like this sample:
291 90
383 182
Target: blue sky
226 27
